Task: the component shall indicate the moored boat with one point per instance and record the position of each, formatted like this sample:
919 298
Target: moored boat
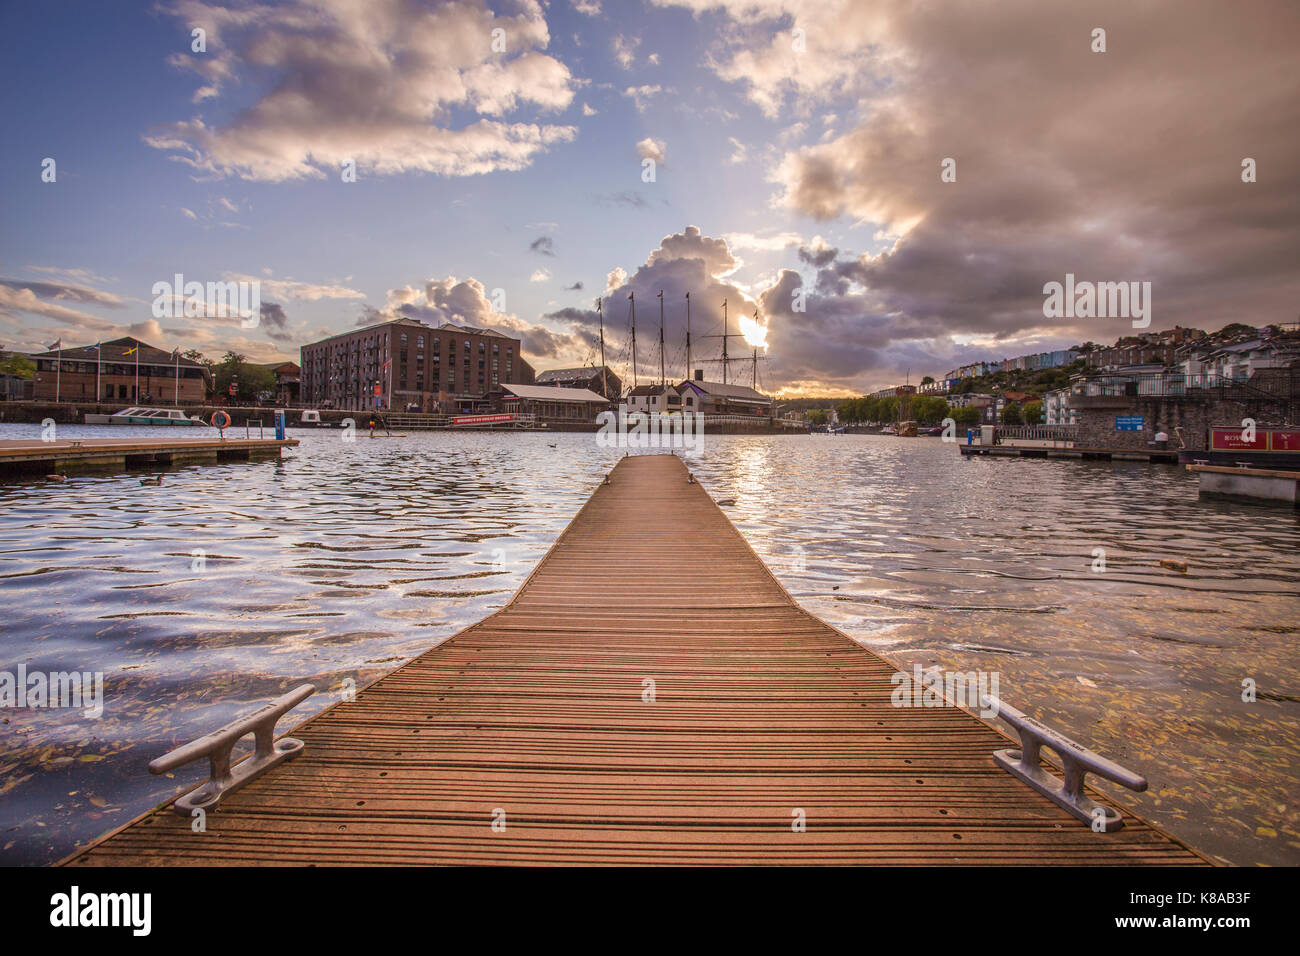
138 415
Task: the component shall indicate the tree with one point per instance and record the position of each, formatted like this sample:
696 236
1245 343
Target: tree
929 409
1011 415
19 366
249 380
817 417
1034 413
966 416
194 355
928 380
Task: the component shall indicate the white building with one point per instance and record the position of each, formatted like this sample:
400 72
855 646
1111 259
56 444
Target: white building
654 398
1056 408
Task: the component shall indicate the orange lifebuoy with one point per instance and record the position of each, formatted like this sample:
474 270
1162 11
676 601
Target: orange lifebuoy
225 420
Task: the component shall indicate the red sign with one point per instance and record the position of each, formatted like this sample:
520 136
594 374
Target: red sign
1284 441
1266 439
1233 439
378 392
481 419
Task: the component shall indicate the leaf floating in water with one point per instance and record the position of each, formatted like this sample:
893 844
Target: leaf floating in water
1085 682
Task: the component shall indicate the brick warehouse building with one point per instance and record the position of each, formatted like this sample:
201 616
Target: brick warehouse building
72 374
433 369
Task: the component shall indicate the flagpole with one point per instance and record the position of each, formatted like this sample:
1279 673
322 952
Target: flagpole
58 372
137 373
99 364
177 400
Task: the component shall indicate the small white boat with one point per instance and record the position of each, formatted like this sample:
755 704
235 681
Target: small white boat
137 415
310 418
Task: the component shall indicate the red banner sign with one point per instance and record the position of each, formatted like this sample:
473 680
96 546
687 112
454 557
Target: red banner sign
1265 439
481 419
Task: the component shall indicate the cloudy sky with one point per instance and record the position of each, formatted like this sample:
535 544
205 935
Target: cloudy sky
503 154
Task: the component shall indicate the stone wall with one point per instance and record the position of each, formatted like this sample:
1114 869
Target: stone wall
1193 416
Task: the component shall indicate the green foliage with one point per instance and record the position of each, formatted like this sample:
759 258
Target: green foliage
249 379
1034 413
18 365
818 417
194 355
966 416
1011 415
929 409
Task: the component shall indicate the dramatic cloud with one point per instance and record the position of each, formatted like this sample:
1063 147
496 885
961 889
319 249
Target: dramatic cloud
468 303
1122 165
275 324
687 261
383 85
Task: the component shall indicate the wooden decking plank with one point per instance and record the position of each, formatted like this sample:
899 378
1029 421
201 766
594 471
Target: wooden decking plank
760 710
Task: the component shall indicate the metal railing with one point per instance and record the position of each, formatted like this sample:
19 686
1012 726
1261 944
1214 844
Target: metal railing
1179 384
1052 433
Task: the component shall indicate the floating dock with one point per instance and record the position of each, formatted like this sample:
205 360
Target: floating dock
1096 454
32 456
651 695
1256 484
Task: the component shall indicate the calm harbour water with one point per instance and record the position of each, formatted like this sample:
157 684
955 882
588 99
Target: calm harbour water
342 560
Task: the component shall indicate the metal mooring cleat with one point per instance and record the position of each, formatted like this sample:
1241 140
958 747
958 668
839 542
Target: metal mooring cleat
217 745
1026 764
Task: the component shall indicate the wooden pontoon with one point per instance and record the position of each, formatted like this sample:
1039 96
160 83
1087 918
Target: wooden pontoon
542 719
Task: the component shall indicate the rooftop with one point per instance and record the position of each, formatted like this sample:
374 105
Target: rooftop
115 350
550 393
726 391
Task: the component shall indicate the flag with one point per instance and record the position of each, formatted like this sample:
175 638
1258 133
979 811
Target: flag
57 345
386 365
91 348
176 355
129 351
